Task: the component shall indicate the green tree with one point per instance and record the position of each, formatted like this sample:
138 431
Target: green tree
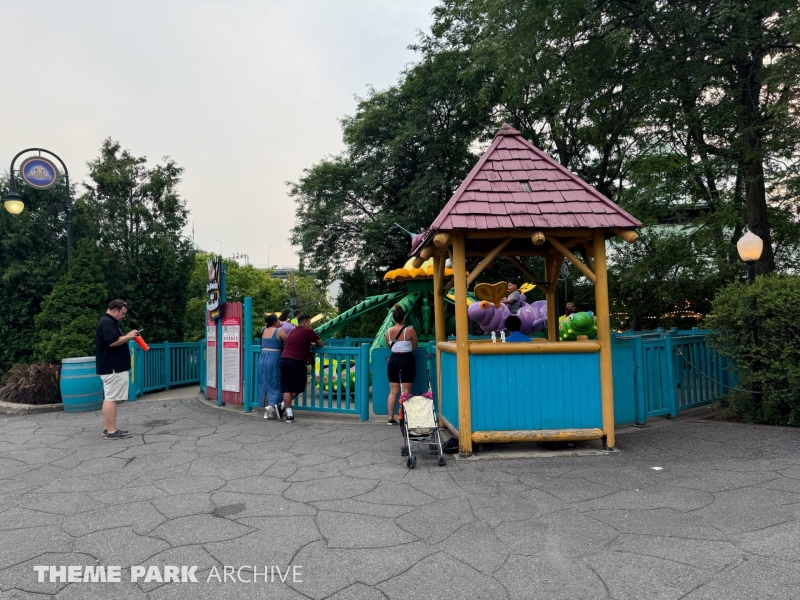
33 256
66 325
137 216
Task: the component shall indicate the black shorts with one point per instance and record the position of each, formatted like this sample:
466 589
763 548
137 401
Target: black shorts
293 376
402 367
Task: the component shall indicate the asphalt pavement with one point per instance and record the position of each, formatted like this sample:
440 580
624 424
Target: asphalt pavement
687 509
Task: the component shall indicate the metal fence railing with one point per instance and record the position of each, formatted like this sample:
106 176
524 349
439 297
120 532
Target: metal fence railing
339 381
164 366
673 370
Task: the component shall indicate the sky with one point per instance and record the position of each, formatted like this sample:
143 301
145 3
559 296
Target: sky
243 94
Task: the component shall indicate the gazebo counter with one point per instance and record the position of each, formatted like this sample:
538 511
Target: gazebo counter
526 392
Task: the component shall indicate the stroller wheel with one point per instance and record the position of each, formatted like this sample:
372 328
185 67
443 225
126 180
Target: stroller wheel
404 451
411 463
442 461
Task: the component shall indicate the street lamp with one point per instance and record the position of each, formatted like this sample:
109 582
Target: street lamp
13 201
268 264
750 247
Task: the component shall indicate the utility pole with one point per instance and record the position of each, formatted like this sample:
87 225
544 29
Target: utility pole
292 291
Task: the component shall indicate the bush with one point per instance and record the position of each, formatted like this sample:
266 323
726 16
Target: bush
759 330
37 383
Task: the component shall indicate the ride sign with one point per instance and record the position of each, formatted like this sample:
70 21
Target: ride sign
39 172
214 274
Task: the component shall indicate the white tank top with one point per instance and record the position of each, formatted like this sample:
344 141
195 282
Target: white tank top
401 346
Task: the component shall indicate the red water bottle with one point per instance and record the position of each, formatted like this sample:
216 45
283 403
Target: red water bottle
142 344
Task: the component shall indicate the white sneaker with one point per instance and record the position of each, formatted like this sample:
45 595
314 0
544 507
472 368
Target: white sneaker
270 413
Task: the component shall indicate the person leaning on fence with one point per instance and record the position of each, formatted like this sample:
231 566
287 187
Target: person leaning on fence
284 321
113 364
294 374
269 366
402 368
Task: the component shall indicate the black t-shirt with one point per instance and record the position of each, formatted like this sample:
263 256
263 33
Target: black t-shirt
110 360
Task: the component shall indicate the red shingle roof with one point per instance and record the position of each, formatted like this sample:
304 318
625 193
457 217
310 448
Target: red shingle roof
493 196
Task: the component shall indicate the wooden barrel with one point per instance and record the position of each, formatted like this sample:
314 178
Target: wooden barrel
81 387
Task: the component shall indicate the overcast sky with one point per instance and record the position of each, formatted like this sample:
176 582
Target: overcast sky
243 94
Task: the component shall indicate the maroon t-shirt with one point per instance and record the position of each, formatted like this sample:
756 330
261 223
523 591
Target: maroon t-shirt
299 343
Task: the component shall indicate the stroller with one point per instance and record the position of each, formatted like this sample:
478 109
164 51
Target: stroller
420 426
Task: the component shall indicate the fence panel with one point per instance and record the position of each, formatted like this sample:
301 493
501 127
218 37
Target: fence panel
337 382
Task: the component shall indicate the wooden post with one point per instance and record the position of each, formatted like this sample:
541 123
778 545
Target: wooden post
438 320
550 294
604 335
462 347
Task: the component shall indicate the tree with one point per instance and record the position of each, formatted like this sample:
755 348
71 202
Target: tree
33 256
66 325
137 216
269 294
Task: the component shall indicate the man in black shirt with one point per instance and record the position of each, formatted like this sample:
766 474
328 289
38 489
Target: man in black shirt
113 364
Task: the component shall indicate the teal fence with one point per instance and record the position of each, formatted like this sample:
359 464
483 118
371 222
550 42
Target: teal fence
339 381
662 372
164 366
347 342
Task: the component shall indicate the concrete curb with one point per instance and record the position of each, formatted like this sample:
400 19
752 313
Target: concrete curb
12 408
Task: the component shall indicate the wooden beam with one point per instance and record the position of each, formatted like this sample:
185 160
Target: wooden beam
573 259
588 255
487 260
604 336
542 435
538 238
427 252
474 253
538 347
462 347
417 262
550 294
518 263
629 235
470 264
438 320
441 239
576 240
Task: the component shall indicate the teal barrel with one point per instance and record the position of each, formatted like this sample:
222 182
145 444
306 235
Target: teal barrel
81 387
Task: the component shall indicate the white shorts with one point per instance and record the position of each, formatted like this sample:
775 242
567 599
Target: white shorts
115 386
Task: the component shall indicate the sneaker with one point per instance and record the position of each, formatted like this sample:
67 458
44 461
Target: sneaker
117 435
290 419
270 413
391 422
122 431
279 411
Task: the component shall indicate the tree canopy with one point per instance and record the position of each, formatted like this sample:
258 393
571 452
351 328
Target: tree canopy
683 113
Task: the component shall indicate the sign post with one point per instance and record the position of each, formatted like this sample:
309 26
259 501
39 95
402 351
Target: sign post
231 354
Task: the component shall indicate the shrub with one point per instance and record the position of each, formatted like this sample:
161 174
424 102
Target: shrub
759 330
37 383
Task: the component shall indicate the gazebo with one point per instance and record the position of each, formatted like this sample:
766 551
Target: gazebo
518 202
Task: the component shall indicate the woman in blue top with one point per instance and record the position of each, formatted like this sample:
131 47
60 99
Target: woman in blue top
269 366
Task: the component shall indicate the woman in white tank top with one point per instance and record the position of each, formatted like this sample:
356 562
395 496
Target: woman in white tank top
402 368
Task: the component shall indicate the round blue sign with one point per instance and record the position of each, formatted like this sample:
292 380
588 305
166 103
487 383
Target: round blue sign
39 172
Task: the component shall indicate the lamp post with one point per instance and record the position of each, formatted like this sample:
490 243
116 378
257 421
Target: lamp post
268 264
13 201
750 247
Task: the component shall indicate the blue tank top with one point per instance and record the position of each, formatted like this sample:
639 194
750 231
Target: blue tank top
272 342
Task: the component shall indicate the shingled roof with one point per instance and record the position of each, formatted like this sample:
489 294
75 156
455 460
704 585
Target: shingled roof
515 185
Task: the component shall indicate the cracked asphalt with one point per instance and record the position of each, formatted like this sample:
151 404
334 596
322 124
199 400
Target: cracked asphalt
207 487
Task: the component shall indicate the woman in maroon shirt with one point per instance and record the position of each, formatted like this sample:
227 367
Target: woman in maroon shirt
293 364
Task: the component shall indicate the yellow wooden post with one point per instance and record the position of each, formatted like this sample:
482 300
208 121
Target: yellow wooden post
462 346
550 295
604 335
438 319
